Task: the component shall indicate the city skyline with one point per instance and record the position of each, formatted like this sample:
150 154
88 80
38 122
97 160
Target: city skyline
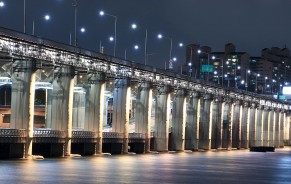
251 26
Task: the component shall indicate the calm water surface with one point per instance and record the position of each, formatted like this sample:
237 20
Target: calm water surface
197 167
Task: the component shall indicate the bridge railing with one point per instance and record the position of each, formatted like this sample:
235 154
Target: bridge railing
84 134
111 135
8 132
136 136
48 133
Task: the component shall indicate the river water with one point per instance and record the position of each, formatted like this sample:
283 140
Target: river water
236 166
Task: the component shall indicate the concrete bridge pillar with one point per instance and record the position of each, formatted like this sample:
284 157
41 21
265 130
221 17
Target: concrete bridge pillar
143 112
259 126
236 125
227 123
22 100
266 126
192 122
252 124
162 114
205 122
95 107
62 103
179 120
216 136
282 128
277 128
271 127
79 109
245 125
121 108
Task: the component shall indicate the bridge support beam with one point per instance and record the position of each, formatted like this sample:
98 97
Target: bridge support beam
252 124
22 100
277 128
271 127
143 113
121 107
245 126
162 113
259 126
179 121
282 128
79 109
205 123
227 123
95 107
193 116
62 104
266 126
236 125
216 136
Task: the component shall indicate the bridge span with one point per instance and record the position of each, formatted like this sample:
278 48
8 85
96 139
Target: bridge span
169 111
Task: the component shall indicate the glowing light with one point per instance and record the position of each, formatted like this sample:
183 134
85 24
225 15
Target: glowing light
133 26
101 13
160 36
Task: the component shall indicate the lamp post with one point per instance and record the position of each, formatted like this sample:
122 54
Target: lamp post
221 62
134 26
46 17
102 13
235 74
136 47
190 63
24 16
160 36
226 77
75 4
257 75
265 88
246 83
208 59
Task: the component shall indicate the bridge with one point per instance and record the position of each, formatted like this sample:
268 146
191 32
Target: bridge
169 111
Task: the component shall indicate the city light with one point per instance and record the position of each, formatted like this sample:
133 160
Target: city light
47 17
111 38
83 30
2 4
133 26
160 36
136 47
101 13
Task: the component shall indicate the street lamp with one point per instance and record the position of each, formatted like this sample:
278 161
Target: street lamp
246 83
134 26
160 36
235 74
208 58
190 68
136 47
2 4
102 13
191 55
75 4
225 76
265 88
257 75
46 17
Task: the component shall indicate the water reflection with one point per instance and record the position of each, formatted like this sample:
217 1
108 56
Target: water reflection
196 167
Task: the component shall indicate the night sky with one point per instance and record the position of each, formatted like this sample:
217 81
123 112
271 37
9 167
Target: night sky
250 24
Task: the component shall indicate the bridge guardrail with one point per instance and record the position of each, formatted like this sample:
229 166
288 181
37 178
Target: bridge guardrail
113 135
48 133
84 134
136 136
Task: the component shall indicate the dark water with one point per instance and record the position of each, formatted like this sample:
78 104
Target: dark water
197 167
